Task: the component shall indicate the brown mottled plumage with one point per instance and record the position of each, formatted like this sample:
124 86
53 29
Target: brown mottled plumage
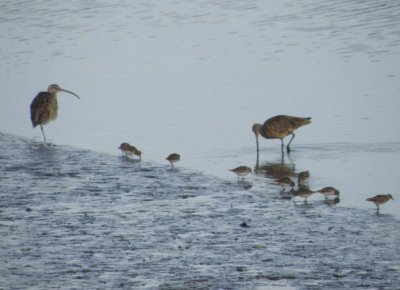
279 127
304 192
302 178
242 171
44 107
130 150
380 199
173 157
285 181
328 191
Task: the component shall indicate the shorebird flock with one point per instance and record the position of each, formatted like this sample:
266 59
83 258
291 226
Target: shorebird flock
44 109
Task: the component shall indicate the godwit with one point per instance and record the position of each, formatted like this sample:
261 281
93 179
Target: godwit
279 127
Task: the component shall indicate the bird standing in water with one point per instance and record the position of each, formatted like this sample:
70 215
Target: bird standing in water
302 178
44 107
173 158
304 192
329 191
242 171
130 150
279 127
286 181
380 199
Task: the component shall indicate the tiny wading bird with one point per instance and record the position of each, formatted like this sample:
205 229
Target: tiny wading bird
285 181
329 191
380 199
172 158
279 127
130 150
44 107
242 171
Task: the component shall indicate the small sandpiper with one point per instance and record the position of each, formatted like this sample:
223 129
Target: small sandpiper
380 199
286 181
304 192
242 171
302 178
172 158
329 191
130 150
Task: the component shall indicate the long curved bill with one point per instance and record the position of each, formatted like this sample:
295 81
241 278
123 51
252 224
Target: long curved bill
69 92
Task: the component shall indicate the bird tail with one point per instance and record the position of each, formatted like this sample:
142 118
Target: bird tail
299 122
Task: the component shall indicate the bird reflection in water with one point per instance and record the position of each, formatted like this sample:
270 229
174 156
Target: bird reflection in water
282 173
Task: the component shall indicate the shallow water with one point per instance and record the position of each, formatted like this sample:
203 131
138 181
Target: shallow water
73 218
192 78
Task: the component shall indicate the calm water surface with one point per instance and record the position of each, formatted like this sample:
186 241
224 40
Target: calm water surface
192 77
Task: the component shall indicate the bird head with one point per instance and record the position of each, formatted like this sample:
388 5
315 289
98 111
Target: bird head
256 128
123 146
54 88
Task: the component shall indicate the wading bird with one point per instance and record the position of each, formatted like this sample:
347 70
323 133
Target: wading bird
172 158
44 107
304 192
286 181
302 178
279 127
380 199
329 191
130 150
242 171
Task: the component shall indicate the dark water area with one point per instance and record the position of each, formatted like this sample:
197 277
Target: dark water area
78 219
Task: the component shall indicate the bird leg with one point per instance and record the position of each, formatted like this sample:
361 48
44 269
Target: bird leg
258 149
287 146
44 137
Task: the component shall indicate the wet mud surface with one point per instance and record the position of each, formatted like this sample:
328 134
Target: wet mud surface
76 219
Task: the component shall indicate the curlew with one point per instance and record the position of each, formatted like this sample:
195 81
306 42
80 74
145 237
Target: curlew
279 127
130 150
380 199
242 171
44 107
173 158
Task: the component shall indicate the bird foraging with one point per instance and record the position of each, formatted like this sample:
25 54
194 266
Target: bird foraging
279 127
304 192
302 178
242 171
285 181
173 158
329 191
130 150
